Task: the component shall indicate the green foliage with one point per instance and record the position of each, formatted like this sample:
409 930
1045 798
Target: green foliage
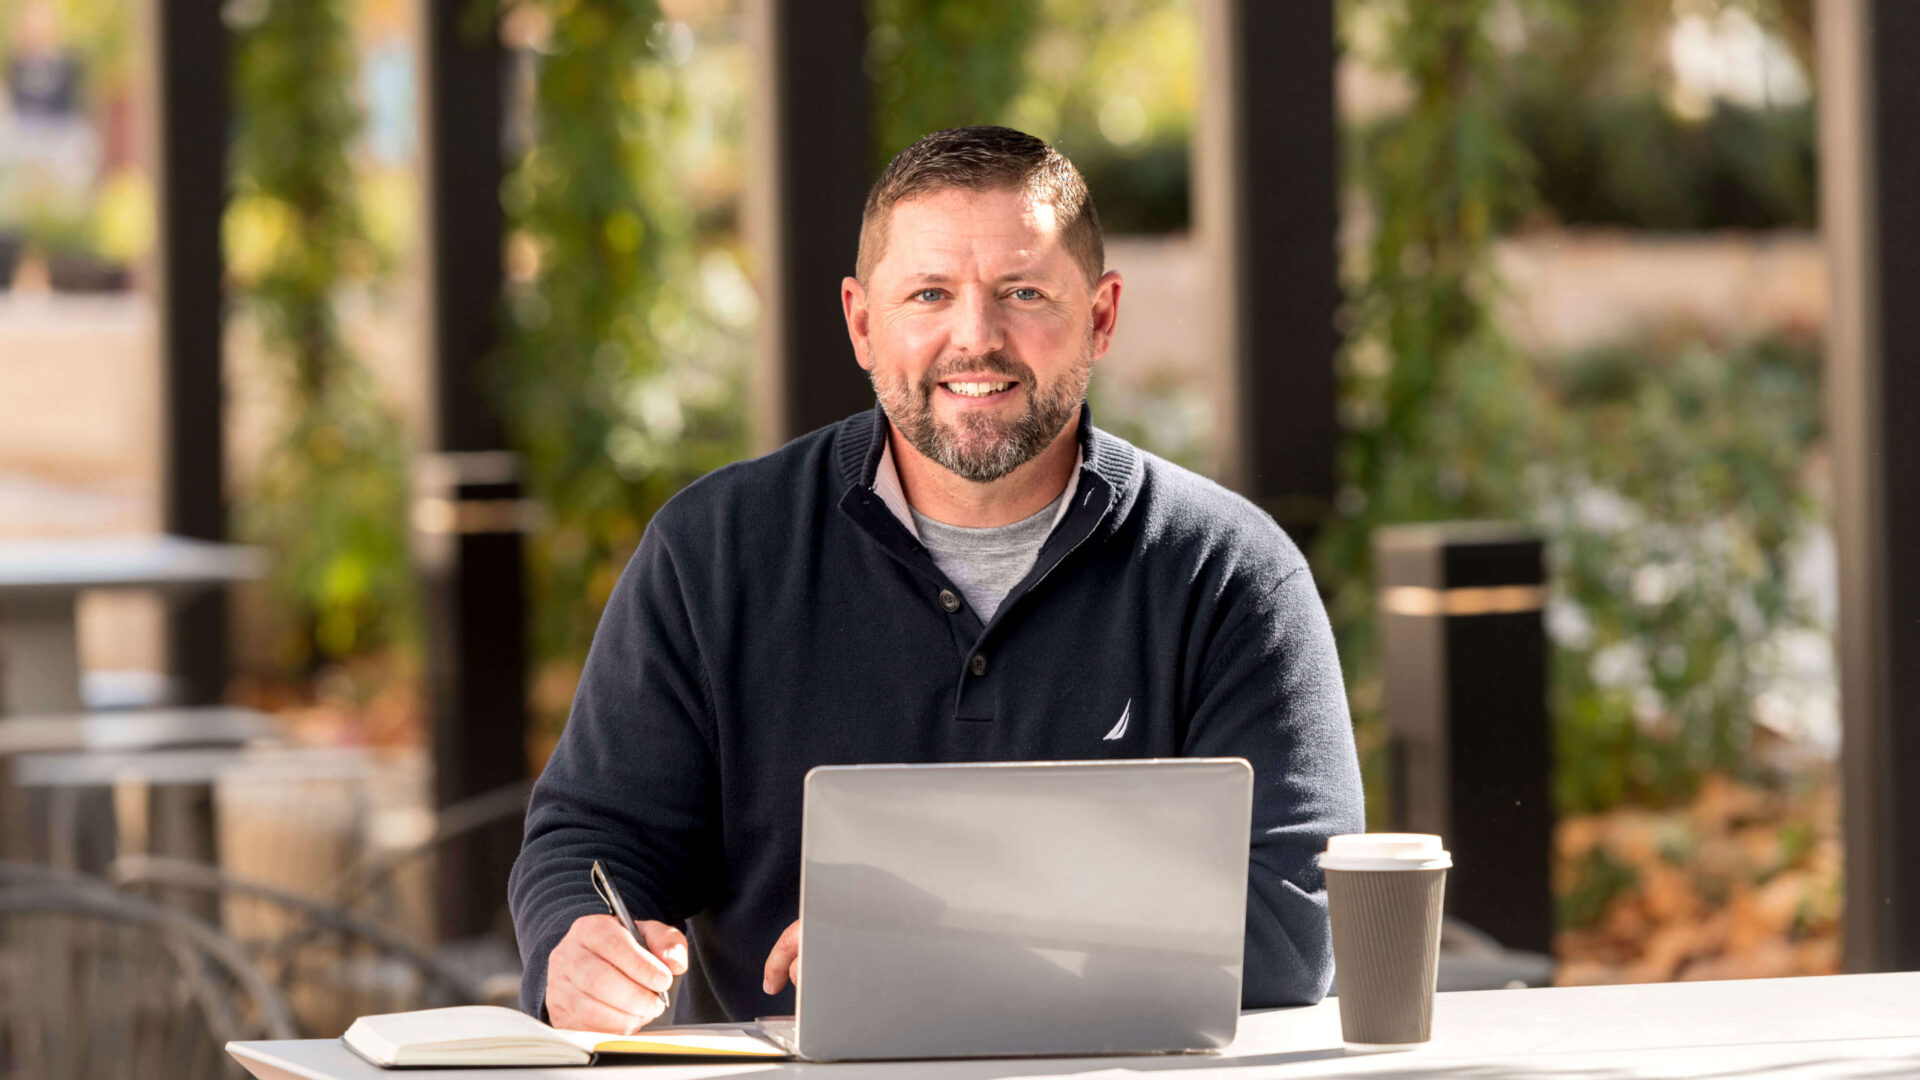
1632 162
100 34
50 217
1597 880
1166 412
1115 84
1592 96
940 64
1143 190
1112 83
1675 505
51 203
1433 401
1586 94
1669 481
613 380
330 497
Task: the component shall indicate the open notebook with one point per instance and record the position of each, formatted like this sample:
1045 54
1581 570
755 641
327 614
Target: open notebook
492 1035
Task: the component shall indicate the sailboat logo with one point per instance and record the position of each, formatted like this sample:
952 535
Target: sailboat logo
1120 728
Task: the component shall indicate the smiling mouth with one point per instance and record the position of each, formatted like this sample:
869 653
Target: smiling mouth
978 389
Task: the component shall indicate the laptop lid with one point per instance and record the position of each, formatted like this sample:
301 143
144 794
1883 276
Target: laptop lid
1023 908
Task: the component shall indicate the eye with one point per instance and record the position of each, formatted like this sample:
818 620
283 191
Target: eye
927 295
1026 293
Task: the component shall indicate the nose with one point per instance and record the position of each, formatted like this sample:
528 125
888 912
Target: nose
976 328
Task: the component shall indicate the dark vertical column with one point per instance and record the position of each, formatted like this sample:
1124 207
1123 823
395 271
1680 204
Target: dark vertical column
1466 704
1266 168
813 105
467 517
1870 212
187 50
462 79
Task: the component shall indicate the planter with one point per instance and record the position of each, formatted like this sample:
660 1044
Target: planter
78 272
10 248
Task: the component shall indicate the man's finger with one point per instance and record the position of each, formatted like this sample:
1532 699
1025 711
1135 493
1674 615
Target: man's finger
666 943
574 1004
608 940
780 961
606 983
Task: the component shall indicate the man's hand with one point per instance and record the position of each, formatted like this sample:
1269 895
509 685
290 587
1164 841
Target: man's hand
783 963
600 979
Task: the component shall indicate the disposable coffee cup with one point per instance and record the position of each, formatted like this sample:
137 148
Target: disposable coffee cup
1384 892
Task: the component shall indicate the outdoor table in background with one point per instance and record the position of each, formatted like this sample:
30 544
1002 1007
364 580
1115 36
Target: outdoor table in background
43 824
1827 1026
163 801
136 729
40 586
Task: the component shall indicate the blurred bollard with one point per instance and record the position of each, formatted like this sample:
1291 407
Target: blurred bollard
297 832
300 823
400 819
1465 665
469 519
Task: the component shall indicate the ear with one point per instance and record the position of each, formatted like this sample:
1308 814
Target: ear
853 304
1106 311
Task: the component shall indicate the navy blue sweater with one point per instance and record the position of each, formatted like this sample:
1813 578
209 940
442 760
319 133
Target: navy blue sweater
777 616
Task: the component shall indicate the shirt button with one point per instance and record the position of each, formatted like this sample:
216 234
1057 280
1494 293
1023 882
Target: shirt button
978 665
949 601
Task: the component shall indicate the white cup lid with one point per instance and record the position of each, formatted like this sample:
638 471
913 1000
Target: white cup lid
1384 851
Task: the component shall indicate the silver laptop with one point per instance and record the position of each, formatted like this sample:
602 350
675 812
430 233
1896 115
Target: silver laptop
1023 908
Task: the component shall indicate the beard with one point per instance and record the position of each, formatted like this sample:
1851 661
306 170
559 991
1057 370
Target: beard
981 447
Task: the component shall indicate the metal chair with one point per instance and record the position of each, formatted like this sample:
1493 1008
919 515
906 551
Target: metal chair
99 985
369 881
1470 959
338 952
331 964
372 887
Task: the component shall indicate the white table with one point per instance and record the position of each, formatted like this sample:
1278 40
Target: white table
136 729
40 586
1833 1026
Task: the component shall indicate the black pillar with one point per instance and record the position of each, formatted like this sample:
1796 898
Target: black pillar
813 119
1870 213
1266 165
1465 657
468 514
187 50
462 77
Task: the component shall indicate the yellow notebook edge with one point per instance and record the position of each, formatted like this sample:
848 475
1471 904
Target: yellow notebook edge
639 1044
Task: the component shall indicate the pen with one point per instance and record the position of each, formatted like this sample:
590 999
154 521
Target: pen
603 885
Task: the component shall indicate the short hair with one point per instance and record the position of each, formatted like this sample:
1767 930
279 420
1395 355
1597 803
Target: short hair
985 158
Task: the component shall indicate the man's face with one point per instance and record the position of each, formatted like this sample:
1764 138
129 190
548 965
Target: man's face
978 329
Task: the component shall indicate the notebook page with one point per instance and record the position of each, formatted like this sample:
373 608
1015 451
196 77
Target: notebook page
467 1032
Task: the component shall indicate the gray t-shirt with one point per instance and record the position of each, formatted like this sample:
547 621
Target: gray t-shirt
986 563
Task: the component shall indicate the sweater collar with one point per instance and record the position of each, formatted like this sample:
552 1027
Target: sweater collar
1104 490
886 484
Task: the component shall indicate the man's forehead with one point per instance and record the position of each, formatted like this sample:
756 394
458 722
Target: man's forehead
954 223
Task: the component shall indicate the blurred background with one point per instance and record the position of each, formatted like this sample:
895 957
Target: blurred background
346 347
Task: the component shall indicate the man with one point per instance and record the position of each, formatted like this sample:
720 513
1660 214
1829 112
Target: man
970 572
